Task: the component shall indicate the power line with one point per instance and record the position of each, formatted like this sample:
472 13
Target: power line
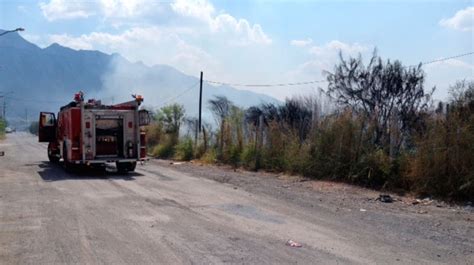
322 80
447 58
178 95
266 85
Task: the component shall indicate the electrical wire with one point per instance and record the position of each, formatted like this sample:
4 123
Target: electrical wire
447 58
241 84
164 103
322 80
266 85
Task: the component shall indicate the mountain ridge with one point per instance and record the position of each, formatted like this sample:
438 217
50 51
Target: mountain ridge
38 76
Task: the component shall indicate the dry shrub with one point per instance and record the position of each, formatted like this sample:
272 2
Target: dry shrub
443 164
153 134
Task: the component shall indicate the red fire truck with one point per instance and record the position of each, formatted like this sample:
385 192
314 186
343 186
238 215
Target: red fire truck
90 133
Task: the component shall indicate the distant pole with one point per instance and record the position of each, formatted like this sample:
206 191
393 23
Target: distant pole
200 102
195 133
4 109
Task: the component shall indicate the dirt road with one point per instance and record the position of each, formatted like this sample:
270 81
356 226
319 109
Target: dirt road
172 214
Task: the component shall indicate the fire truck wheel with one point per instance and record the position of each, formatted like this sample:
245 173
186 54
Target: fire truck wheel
53 157
133 165
126 167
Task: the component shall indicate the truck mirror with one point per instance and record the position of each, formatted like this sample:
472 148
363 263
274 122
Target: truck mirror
143 118
47 119
47 127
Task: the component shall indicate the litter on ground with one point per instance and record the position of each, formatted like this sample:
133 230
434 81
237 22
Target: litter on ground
293 244
385 198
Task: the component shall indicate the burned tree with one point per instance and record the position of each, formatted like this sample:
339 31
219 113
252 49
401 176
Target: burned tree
384 92
221 107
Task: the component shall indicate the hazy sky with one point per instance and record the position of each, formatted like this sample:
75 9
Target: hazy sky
257 41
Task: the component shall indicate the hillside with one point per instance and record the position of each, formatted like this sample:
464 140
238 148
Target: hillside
46 78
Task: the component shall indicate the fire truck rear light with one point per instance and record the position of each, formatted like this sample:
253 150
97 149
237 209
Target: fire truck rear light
88 125
130 124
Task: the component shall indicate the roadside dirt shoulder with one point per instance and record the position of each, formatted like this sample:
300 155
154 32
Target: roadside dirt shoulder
450 225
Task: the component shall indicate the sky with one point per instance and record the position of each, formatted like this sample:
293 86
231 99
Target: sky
258 41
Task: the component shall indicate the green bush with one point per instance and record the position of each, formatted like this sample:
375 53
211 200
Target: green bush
250 157
3 126
210 156
184 150
163 151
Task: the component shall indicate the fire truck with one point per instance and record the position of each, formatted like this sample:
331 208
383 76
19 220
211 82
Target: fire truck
93 134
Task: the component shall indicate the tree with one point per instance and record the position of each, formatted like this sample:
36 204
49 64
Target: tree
296 116
221 107
253 116
381 91
462 96
3 126
171 117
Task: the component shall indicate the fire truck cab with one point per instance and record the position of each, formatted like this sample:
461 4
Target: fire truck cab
90 133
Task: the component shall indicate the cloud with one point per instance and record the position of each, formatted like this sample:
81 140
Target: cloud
301 43
62 9
324 57
334 46
233 30
177 41
238 31
463 20
31 37
200 9
443 74
152 45
126 8
67 9
69 41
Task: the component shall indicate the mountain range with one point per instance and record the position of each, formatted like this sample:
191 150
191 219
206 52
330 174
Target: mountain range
43 79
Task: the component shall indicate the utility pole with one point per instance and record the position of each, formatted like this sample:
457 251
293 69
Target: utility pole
3 112
4 108
4 96
200 102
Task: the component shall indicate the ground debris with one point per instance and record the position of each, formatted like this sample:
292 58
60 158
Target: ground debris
293 244
425 201
385 198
